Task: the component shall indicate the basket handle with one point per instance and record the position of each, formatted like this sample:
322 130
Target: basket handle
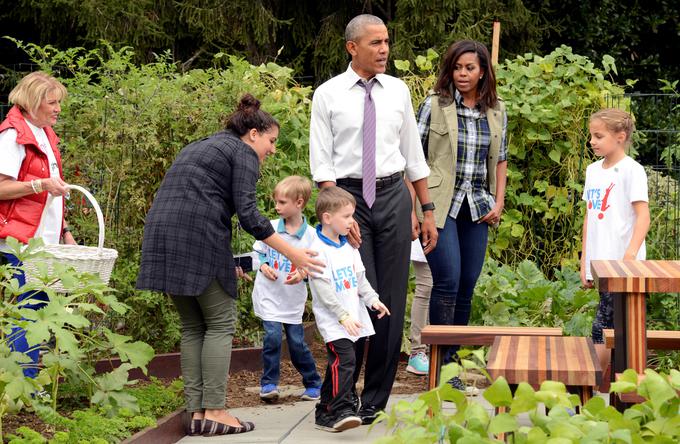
97 209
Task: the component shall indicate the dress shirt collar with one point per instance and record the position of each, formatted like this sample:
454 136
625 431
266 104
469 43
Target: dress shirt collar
281 228
458 97
327 241
353 78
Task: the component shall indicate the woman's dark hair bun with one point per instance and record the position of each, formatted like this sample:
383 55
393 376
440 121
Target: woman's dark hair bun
248 103
248 115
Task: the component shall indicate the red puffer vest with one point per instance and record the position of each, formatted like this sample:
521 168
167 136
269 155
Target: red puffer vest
20 217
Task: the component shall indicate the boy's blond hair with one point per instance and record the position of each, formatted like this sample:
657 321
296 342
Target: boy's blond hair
332 199
32 90
294 187
616 121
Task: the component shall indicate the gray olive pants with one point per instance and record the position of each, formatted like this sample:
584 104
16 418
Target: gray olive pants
421 304
208 324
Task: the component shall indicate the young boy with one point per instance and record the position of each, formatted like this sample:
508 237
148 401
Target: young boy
279 296
340 296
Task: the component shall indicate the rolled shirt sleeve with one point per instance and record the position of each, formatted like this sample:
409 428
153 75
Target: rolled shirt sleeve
321 141
410 146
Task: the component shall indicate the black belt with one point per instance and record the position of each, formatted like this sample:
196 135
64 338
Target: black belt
380 182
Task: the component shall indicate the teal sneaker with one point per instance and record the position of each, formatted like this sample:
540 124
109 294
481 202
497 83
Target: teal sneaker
418 363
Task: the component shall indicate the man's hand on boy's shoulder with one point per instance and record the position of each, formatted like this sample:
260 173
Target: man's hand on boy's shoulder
269 272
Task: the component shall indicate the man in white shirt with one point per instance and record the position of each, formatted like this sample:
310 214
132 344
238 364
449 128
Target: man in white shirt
384 215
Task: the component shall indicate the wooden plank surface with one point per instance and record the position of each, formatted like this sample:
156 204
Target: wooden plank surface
656 339
637 276
534 359
478 334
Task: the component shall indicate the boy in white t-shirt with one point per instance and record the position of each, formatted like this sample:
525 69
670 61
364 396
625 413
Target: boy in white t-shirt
279 296
617 213
340 296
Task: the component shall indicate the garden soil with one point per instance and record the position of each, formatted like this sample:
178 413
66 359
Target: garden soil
243 390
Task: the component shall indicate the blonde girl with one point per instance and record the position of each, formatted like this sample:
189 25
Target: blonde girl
617 211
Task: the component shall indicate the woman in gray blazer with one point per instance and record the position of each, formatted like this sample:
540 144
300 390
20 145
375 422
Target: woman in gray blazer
186 253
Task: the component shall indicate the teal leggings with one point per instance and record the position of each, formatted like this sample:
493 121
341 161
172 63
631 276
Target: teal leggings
208 324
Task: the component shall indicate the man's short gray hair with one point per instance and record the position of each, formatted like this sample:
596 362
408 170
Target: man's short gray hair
356 26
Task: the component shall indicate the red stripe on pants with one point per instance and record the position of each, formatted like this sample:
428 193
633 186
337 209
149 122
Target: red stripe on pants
334 370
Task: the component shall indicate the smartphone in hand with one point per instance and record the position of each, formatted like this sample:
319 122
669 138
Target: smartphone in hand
245 261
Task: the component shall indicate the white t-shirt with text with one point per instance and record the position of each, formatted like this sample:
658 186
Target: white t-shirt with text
342 266
275 300
609 194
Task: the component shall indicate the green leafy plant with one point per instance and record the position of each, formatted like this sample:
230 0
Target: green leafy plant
523 296
72 321
549 410
85 426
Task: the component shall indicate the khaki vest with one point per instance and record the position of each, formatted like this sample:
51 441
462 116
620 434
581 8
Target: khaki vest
442 154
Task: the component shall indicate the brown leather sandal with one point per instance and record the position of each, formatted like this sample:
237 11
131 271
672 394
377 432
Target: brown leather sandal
214 428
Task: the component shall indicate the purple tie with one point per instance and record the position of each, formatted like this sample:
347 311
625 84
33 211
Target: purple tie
368 164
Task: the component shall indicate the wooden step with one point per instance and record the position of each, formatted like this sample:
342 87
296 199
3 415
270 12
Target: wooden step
478 334
656 339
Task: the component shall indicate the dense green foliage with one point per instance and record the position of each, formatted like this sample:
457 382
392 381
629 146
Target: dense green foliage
426 421
522 296
308 35
74 322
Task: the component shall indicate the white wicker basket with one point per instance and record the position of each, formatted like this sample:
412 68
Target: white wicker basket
83 259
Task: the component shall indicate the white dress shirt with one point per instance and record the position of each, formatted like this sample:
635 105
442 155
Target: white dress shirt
336 129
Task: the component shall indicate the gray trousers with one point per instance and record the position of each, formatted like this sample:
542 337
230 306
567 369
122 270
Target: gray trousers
208 324
420 306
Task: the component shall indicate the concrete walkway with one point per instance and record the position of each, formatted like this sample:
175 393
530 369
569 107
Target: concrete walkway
294 424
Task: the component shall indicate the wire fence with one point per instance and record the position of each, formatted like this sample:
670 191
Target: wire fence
657 121
657 146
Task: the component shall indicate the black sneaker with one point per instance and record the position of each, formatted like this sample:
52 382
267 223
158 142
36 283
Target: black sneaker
368 413
456 383
346 420
324 421
356 401
337 423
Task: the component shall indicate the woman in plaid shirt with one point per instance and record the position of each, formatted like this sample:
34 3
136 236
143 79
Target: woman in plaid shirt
467 182
186 253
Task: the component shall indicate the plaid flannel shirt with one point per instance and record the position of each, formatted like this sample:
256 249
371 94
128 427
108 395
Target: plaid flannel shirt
187 234
474 138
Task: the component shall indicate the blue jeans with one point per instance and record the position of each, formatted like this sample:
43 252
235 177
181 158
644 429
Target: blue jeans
455 265
604 317
300 355
17 338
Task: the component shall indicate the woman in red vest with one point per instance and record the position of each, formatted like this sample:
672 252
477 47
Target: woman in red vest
30 169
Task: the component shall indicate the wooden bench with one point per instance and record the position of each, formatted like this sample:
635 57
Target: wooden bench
439 337
656 339
571 360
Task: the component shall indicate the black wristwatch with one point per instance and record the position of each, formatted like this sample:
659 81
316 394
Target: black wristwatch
65 230
427 206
